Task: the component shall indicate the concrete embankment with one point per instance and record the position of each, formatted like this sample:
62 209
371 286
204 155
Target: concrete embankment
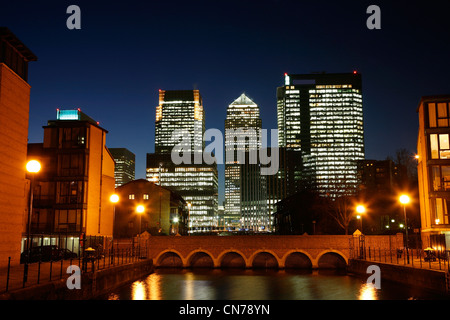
434 280
92 284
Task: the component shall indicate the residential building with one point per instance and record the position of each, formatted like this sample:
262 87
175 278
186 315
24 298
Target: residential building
433 151
71 193
164 211
14 115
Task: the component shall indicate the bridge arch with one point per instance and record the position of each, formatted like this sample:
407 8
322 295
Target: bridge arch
331 259
264 259
232 259
169 259
200 258
297 259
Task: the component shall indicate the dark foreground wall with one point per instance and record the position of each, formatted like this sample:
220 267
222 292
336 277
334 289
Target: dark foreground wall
434 280
92 284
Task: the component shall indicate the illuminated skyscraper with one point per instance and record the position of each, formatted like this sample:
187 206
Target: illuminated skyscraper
244 186
179 110
321 115
124 170
197 183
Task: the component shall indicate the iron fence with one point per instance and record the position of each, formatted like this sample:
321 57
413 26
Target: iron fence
18 275
416 258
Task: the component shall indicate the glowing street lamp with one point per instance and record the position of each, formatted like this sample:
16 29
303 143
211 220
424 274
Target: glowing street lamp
189 216
33 167
114 198
140 209
360 209
404 199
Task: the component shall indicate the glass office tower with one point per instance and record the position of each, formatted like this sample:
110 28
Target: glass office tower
321 115
124 170
179 110
196 182
244 186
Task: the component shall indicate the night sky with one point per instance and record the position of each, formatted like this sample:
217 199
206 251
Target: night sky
126 50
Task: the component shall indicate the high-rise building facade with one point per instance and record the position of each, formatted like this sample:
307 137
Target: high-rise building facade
179 110
321 115
14 113
245 190
125 164
433 149
196 181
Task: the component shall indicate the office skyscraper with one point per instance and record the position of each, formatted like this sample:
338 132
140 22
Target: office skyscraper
321 115
197 183
245 195
124 170
179 110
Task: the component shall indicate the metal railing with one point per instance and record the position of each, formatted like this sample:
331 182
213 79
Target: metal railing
16 275
416 258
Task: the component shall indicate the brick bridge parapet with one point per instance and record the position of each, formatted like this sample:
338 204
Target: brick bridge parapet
250 249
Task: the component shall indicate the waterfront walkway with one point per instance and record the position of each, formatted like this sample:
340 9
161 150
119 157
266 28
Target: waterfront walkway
39 273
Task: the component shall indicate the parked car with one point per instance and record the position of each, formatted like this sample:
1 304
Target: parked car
67 254
41 253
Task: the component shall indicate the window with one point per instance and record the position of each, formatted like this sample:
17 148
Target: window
441 211
145 196
438 115
70 192
72 138
68 220
131 196
440 146
440 177
432 115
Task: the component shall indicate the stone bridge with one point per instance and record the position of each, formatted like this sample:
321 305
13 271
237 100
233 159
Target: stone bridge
251 251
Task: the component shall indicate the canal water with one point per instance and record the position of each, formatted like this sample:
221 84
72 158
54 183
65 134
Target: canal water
216 284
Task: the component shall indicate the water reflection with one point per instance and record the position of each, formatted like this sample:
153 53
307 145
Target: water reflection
214 284
138 290
368 292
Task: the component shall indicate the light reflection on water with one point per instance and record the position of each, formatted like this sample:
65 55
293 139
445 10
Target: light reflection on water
175 284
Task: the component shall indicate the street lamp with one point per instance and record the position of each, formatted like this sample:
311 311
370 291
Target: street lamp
404 199
33 167
189 217
361 210
114 198
140 210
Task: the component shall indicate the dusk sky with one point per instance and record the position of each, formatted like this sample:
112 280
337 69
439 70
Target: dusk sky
125 51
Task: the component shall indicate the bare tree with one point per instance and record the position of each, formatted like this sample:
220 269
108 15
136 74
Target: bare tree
341 207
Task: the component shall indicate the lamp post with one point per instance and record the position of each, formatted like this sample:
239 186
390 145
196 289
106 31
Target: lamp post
189 217
33 167
140 210
114 198
360 209
404 199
